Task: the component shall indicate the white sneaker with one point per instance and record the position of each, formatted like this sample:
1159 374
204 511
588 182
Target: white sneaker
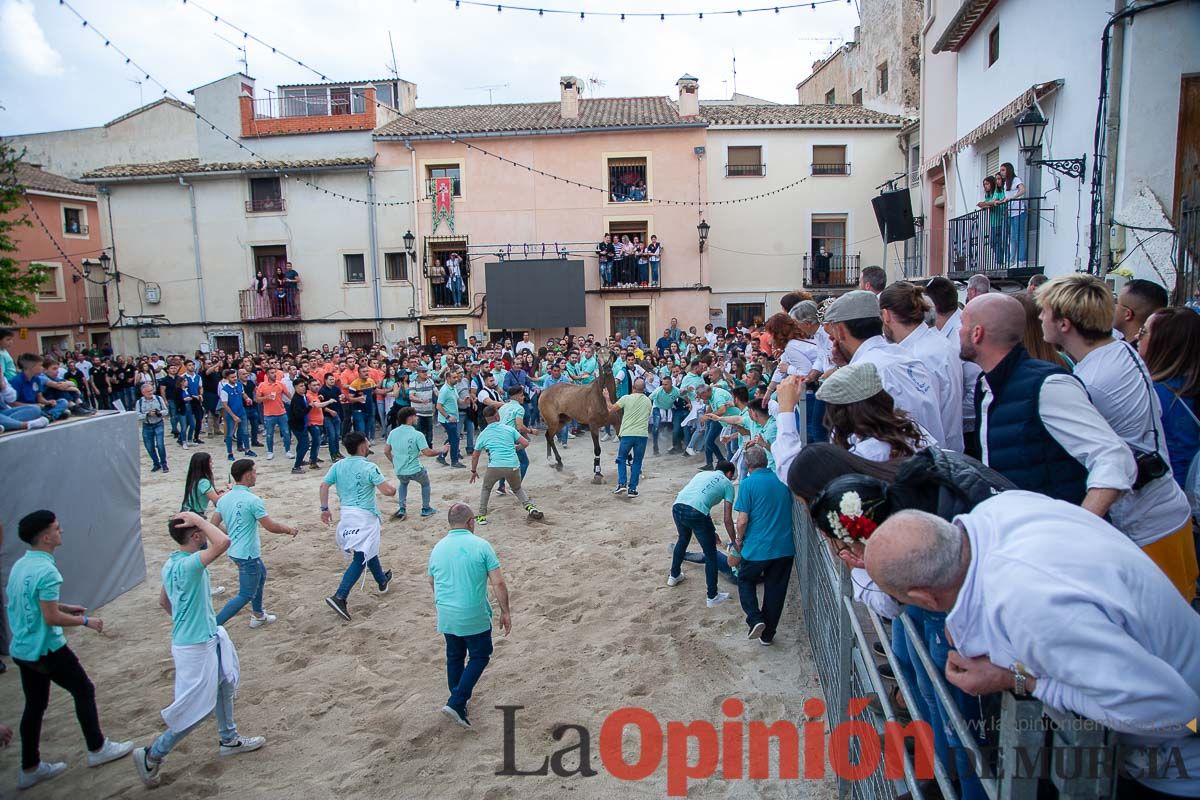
673 581
147 770
33 425
217 590
716 601
44 772
689 452
243 744
267 619
270 456
109 751
287 454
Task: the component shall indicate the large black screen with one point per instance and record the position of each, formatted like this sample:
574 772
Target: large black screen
540 293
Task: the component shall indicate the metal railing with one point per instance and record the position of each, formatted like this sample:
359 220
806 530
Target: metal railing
831 271
627 273
831 169
265 204
269 304
1000 242
840 635
97 309
1187 257
442 295
293 106
914 263
431 186
745 170
76 229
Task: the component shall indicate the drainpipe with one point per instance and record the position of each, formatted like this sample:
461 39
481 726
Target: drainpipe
1113 124
417 273
196 252
371 237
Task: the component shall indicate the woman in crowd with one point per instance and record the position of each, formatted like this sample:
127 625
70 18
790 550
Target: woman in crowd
793 340
993 198
1034 340
863 418
199 487
1169 343
384 398
643 261
1014 190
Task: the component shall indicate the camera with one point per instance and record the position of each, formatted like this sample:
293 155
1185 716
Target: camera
1150 467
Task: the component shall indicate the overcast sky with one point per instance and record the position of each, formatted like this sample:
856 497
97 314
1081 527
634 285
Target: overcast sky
56 74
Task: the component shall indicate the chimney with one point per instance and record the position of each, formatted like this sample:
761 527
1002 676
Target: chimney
569 96
689 96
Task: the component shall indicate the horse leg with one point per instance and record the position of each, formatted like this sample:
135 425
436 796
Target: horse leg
552 446
598 477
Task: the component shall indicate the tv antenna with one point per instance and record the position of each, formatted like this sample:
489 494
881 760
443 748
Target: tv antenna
594 83
393 67
491 87
244 60
141 99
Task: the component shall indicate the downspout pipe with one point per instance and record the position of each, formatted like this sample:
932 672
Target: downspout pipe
372 238
196 252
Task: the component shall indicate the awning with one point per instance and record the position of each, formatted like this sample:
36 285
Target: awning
964 23
1014 109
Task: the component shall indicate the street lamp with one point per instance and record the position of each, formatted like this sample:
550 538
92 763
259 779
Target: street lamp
409 241
104 261
1031 126
703 229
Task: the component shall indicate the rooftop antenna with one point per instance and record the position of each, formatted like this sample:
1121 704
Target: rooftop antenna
593 83
491 87
393 67
734 73
244 60
141 99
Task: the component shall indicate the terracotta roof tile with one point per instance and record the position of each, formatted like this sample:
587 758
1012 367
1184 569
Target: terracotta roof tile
815 114
602 112
36 179
192 166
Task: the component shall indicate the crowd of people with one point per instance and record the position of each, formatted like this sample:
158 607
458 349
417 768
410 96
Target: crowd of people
628 262
1017 474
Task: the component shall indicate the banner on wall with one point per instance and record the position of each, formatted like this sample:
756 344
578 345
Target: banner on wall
443 203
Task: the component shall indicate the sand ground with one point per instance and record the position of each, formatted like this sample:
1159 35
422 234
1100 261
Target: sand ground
351 710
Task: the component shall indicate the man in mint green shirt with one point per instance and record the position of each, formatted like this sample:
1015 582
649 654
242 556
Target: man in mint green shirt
719 403
241 511
358 530
404 448
663 399
198 647
39 649
635 428
512 414
692 515
447 413
500 442
588 367
461 567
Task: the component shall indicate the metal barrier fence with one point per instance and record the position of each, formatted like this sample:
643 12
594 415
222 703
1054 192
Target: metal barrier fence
1022 756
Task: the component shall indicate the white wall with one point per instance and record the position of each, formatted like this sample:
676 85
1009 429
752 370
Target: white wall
773 234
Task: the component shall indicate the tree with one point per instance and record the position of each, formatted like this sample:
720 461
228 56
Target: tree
18 286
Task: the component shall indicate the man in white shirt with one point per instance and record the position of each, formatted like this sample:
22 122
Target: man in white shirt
944 294
1077 311
977 285
902 306
524 344
1044 599
854 325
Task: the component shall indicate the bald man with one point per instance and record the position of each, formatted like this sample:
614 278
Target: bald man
1036 425
1044 599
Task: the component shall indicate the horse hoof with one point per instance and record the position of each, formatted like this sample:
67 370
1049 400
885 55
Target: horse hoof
597 479
558 466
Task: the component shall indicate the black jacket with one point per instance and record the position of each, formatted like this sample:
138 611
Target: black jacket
947 483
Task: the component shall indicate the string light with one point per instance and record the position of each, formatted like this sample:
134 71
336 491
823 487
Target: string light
662 15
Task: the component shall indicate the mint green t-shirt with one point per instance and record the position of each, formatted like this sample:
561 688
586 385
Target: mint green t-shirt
407 443
185 580
718 398
355 479
448 399
459 566
510 412
635 415
197 501
7 365
664 400
768 433
500 442
705 490
33 578
240 510
689 384
587 369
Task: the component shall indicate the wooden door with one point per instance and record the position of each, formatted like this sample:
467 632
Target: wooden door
446 334
1187 150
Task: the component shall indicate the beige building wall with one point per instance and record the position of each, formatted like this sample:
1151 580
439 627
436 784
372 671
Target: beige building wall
756 250
889 34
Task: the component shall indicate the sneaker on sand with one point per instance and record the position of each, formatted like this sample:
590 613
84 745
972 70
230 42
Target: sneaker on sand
165 470
481 519
288 454
147 770
633 492
314 466
458 465
251 454
459 717
44 772
716 601
429 512
109 751
387 581
400 515
265 619
687 451
619 490
156 468
242 744
533 512
295 470
216 590
270 456
675 580
757 630
766 642
338 605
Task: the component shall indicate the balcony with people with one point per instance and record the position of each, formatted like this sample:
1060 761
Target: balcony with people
449 280
273 297
627 260
825 270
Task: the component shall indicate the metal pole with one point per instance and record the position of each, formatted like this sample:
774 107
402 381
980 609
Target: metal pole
195 252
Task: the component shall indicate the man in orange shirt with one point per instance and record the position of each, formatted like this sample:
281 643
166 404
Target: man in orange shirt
273 396
375 372
350 374
362 405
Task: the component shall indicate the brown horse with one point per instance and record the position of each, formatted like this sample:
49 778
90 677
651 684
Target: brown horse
564 402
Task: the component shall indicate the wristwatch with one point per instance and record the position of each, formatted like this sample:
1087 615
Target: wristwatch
1019 677
324 508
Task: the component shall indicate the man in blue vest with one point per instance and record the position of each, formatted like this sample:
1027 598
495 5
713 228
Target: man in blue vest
1036 425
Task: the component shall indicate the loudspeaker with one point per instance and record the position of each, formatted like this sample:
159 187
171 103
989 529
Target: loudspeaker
893 212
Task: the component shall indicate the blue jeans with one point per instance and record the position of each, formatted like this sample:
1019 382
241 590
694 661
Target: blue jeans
425 426
456 290
226 727
240 424
302 445
696 438
814 413
451 429
643 272
712 447
933 626
278 421
355 570
364 419
254 416
14 418
636 445
461 674
606 273
310 442
690 522
191 425
333 433
380 413
469 426
252 577
1016 237
421 478
654 270
154 438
